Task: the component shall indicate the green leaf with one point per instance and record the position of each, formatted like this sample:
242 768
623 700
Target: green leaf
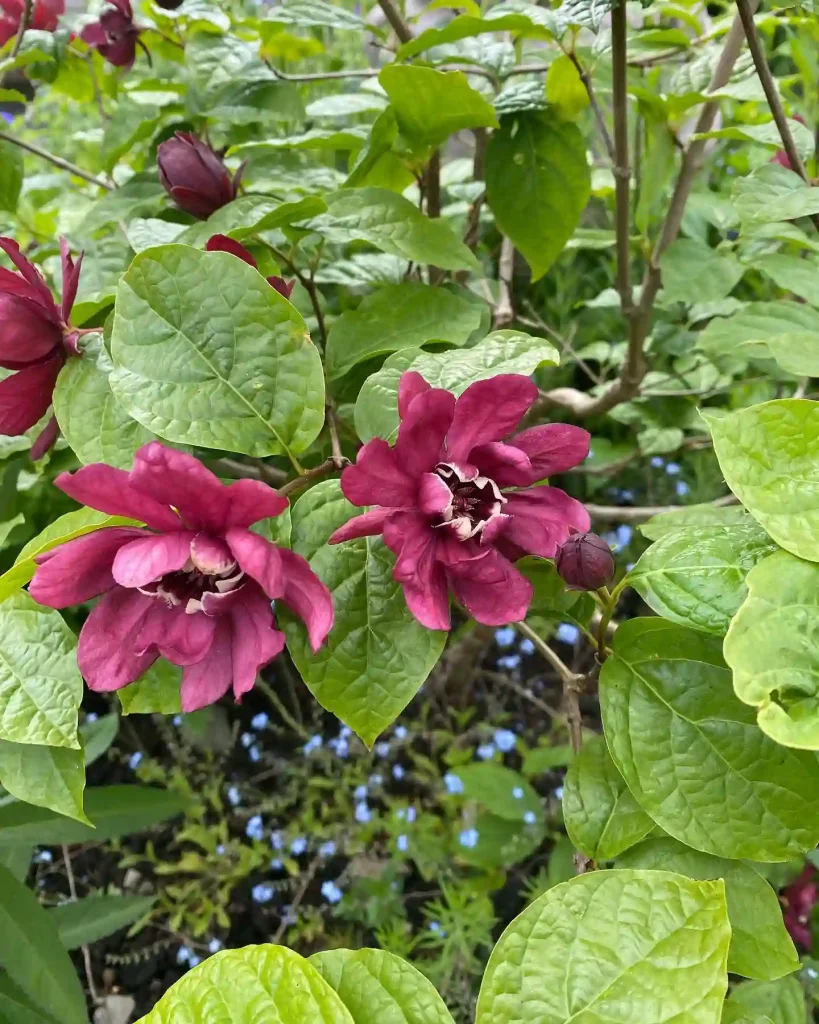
565 89
693 517
692 754
141 196
696 577
40 684
537 184
609 947
766 134
466 26
114 810
431 105
157 691
97 736
258 983
793 274
207 353
586 13
769 457
601 816
145 233
494 787
376 409
33 957
248 215
780 1002
52 777
343 139
377 655
694 272
773 649
760 945
788 331
550 597
772 193
501 842
343 104
314 12
378 987
92 420
392 224
17 1008
396 317
82 922
11 175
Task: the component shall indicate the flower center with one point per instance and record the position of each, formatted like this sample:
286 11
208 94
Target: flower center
189 586
475 500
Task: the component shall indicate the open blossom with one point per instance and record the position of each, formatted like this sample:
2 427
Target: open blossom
114 36
194 176
221 243
454 500
45 15
35 340
193 587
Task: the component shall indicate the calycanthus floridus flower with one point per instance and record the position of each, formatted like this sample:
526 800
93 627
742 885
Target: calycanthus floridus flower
454 500
194 586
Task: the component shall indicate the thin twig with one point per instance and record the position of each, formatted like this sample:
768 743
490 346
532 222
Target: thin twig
335 444
505 310
396 20
572 683
58 161
522 691
585 78
25 18
333 463
638 514
322 76
95 85
622 170
277 703
308 877
242 470
86 953
473 218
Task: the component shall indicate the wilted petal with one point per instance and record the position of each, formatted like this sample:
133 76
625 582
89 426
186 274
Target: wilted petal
420 442
307 596
209 679
491 589
256 641
79 570
553 448
25 396
181 638
151 557
422 577
106 653
541 519
434 495
410 386
368 525
488 410
377 478
109 490
259 559
506 465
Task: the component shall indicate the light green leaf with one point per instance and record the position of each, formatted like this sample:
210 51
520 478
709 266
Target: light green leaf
11 175
696 577
772 193
343 104
501 842
769 457
431 105
250 214
314 12
760 945
694 272
692 517
537 184
766 134
114 810
97 736
16 1007
33 957
601 816
376 409
495 787
63 529
773 649
141 196
377 655
157 691
40 684
793 274
52 777
789 331
344 139
467 25
82 922
586 13
266 983
207 353
692 754
396 317
378 987
392 224
145 233
609 947
781 1002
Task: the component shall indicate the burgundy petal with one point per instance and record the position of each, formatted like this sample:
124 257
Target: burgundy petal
368 525
211 555
151 557
25 396
31 274
209 679
181 638
284 288
94 34
420 443
488 410
222 243
307 596
541 519
259 559
491 589
422 577
507 465
249 501
410 386
176 478
434 495
45 440
377 478
109 490
79 570
256 641
71 278
27 334
553 448
106 653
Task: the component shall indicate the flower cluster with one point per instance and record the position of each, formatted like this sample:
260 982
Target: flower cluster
454 498
194 586
45 15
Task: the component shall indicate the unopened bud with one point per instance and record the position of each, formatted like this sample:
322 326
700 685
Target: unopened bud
585 562
194 176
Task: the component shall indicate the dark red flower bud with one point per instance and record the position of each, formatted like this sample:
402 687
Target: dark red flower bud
585 562
194 176
115 35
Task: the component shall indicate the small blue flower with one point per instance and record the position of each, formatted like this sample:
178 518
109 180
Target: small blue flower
434 926
375 781
214 946
194 960
345 732
681 488
220 850
400 732
453 783
517 793
402 842
331 892
259 721
505 740
382 749
624 534
526 646
469 838
275 864
486 751
360 793
340 746
276 840
234 796
176 720
298 846
314 743
263 893
530 818
254 754
673 468
567 633
401 813
505 637
657 462
509 661
134 759
397 772
327 849
183 955
412 814
247 739
362 813
254 828
43 857
559 793
92 716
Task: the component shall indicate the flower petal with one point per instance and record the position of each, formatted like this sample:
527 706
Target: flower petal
507 465
488 410
45 440
307 596
151 557
222 243
410 386
491 589
176 478
553 448
31 274
434 495
26 395
420 442
181 638
541 519
109 490
80 569
209 679
259 559
71 278
256 641
422 577
368 525
250 501
377 478
106 653
211 555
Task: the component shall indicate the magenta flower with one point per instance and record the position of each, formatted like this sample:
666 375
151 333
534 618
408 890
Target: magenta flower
35 340
45 16
222 243
114 36
194 176
194 587
447 498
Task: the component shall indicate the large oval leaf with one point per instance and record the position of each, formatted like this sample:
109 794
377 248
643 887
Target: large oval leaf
692 754
609 947
377 655
780 1002
207 353
52 777
267 984
378 987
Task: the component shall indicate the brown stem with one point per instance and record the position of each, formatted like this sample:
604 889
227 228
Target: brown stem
308 877
630 514
505 310
241 470
622 171
86 953
335 445
585 78
56 160
396 20
433 185
25 18
313 474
